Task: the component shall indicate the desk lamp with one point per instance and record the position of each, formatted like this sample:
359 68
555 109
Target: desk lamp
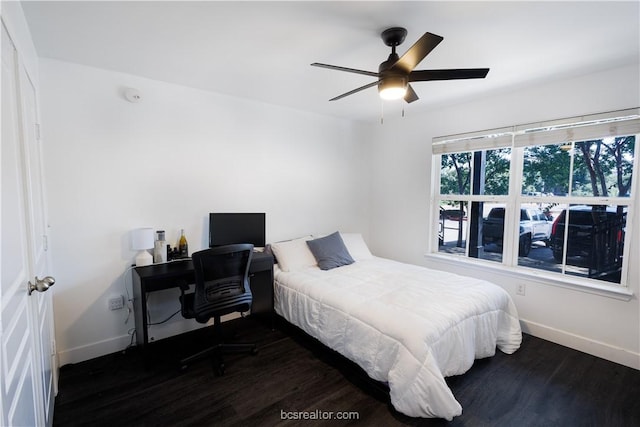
142 240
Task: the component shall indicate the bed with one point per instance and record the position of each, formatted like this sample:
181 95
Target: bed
404 325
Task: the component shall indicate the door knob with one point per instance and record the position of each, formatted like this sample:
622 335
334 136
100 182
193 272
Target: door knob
41 284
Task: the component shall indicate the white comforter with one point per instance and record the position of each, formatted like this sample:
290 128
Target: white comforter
405 325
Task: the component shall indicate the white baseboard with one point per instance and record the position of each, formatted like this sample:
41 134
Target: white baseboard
93 350
115 344
583 344
586 345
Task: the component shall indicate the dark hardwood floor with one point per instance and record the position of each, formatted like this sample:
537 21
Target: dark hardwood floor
542 384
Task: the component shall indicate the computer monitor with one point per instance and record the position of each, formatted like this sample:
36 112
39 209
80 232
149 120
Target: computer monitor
231 228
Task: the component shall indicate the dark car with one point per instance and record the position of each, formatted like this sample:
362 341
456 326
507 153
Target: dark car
534 227
595 238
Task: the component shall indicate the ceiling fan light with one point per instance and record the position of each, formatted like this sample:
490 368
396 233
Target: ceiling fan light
392 88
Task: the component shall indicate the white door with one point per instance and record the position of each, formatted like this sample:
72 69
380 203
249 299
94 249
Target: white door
26 321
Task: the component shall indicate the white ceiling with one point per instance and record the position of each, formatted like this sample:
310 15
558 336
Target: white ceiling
262 50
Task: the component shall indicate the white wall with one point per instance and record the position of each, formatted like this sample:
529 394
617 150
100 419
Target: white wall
113 166
14 20
166 162
401 181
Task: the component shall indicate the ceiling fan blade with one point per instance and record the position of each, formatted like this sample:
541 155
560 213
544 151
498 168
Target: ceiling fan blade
349 70
411 95
449 74
417 52
351 92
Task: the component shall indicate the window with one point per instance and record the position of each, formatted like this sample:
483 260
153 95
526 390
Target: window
550 198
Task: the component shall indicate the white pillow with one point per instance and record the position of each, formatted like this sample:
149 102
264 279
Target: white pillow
356 246
293 254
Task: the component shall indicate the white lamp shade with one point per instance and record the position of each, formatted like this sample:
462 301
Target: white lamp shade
142 238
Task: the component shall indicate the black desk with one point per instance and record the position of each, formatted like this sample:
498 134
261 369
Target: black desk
157 277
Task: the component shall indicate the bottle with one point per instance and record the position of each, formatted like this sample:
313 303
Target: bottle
160 248
183 247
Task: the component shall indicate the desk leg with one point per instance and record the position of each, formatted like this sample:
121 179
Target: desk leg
139 311
261 283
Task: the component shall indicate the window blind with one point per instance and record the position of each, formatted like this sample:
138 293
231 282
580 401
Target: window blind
472 141
581 128
593 127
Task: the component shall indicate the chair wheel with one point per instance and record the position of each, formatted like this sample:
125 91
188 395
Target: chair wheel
218 370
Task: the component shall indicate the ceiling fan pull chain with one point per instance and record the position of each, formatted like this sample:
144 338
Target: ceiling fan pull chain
381 112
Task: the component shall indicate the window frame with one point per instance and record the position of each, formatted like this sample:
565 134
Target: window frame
604 125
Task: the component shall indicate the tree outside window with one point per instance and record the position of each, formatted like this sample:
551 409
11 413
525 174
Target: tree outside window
556 180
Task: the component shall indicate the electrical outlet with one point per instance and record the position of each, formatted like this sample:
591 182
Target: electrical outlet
521 289
116 303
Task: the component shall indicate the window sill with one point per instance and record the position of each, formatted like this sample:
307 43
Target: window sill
618 292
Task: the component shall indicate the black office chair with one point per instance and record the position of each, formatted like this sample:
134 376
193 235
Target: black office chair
222 287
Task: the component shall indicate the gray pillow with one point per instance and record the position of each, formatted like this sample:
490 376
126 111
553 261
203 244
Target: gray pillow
330 251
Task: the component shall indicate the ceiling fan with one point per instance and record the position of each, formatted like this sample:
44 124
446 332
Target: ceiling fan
397 72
